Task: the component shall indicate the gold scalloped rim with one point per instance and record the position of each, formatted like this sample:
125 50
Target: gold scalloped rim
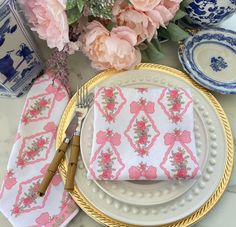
208 205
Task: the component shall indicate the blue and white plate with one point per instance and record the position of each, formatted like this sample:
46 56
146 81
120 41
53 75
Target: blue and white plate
209 57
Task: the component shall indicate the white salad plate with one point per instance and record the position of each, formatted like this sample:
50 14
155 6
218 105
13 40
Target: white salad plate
209 57
128 203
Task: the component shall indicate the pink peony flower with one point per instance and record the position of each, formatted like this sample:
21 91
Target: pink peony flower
166 10
113 49
141 125
174 93
182 173
145 17
110 105
106 158
106 174
109 92
178 157
144 5
176 107
49 20
142 23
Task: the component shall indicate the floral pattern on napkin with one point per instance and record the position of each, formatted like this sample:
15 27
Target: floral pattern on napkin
32 152
150 136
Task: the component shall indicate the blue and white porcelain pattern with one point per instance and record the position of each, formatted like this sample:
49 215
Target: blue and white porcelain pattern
218 63
209 57
209 12
19 60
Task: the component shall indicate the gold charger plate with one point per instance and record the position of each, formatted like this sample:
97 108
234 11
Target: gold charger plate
100 217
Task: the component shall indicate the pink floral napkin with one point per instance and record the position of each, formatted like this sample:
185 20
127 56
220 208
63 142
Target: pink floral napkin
143 134
32 152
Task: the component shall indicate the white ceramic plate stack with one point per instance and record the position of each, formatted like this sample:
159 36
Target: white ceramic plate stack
209 57
152 203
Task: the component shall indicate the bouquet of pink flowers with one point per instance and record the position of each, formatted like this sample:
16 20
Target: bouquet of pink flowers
111 33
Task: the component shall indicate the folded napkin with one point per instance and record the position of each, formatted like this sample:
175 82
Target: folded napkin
32 152
143 134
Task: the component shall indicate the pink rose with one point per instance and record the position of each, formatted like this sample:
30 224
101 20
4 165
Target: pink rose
30 154
141 125
106 174
175 118
142 139
109 117
142 152
20 162
25 119
176 107
144 5
43 103
178 157
49 20
34 112
110 105
27 201
113 49
16 210
36 187
41 143
181 173
109 92
106 158
174 93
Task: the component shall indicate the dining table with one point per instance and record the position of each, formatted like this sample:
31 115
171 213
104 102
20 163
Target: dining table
223 213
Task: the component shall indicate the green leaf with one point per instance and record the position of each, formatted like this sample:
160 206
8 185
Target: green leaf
110 25
175 33
157 44
153 53
73 15
162 32
180 14
145 58
70 4
80 4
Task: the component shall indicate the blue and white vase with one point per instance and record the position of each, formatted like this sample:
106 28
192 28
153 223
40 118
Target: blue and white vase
209 12
19 59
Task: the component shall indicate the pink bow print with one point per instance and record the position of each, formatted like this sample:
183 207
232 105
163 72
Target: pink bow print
108 136
147 107
59 95
142 170
171 138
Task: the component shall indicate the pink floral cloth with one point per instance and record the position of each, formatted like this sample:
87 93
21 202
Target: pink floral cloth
143 134
32 152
